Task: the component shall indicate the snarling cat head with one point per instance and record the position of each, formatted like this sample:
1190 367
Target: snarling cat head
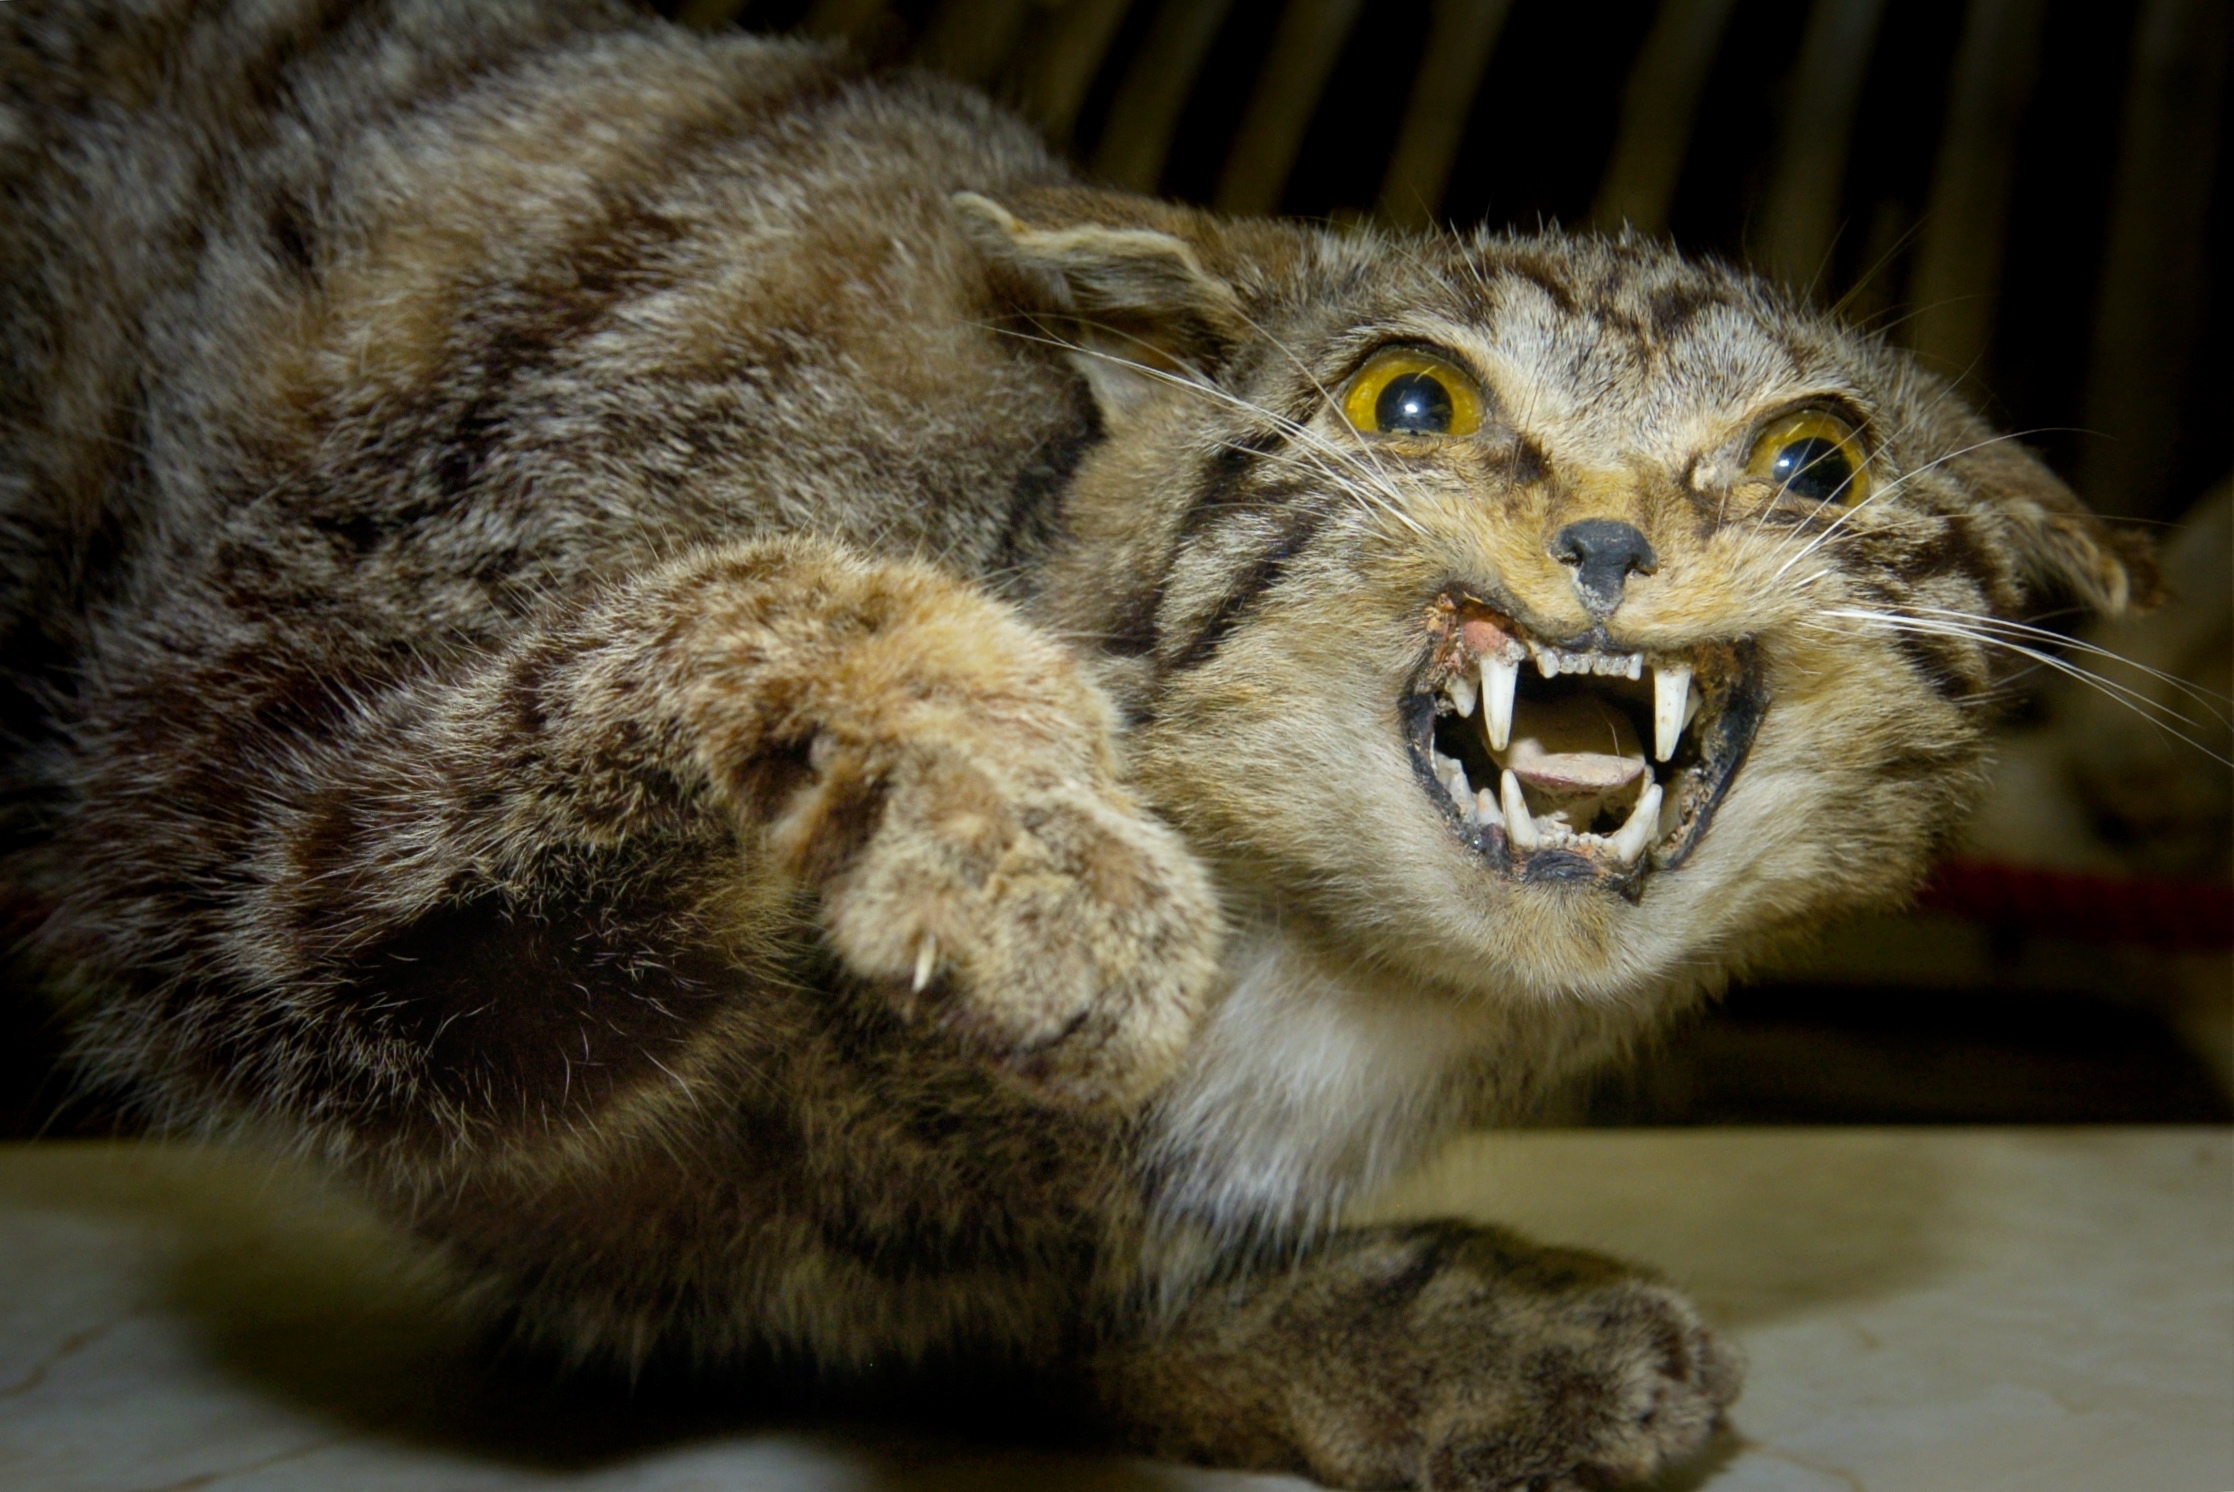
1547 614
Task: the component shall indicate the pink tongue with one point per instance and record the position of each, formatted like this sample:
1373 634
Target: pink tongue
1572 747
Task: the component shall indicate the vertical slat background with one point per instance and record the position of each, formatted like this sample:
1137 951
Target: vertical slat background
1288 88
1461 35
2154 274
1137 138
1958 271
1665 85
1800 209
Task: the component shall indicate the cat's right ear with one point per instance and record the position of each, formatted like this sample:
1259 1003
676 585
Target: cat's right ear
1120 279
2065 550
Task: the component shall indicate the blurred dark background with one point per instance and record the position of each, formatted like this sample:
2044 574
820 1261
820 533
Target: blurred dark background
2029 194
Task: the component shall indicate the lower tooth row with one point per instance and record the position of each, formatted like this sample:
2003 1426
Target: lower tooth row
1508 808
1627 842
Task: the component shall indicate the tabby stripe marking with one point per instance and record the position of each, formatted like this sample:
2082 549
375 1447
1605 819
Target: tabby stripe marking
1302 524
1226 470
610 251
1134 632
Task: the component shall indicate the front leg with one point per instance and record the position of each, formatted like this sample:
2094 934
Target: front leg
478 898
940 774
1434 1356
945 778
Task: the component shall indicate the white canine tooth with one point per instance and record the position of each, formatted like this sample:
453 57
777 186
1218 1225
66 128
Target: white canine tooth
1519 827
1671 707
1485 808
1461 690
1500 677
1629 840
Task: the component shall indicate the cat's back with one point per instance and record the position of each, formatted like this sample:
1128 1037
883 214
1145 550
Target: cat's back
414 306
163 162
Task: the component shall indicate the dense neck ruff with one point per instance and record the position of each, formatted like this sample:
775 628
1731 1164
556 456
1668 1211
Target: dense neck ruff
1304 1089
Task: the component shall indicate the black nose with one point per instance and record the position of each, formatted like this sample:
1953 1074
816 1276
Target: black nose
1603 553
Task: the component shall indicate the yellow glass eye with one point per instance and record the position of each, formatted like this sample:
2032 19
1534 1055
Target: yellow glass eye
1407 391
1812 457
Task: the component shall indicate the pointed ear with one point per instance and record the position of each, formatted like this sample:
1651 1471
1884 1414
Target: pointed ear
1124 277
2063 547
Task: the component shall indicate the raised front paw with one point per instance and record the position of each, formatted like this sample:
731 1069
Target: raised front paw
978 857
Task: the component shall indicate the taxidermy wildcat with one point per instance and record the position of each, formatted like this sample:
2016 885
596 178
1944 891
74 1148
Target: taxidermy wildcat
789 731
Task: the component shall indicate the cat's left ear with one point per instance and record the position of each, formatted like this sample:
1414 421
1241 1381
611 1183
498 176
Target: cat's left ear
2065 548
1127 278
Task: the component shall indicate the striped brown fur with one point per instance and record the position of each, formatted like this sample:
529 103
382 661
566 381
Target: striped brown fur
772 721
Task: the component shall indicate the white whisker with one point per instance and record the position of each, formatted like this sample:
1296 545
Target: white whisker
2160 716
2209 700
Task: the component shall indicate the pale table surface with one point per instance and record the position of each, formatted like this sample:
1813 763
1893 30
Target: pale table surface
1948 1310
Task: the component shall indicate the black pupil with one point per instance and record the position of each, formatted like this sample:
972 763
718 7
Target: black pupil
1414 404
1813 469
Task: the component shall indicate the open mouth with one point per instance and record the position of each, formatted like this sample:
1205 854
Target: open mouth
1578 760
